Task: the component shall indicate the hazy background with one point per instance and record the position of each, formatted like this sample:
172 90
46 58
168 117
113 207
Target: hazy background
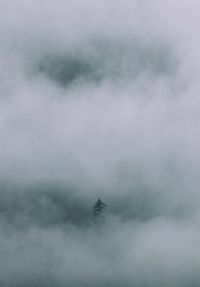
99 99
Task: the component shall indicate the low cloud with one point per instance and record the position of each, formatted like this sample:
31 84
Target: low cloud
99 100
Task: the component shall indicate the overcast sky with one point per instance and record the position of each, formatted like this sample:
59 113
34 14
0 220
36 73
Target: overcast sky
99 99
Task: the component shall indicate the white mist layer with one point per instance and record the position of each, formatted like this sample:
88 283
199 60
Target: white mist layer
99 99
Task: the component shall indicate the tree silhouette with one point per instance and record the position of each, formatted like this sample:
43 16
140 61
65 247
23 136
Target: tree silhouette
98 209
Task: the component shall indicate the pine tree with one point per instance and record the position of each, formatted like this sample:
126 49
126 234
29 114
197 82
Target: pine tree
98 209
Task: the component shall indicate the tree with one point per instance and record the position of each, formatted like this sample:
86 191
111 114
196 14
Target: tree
98 209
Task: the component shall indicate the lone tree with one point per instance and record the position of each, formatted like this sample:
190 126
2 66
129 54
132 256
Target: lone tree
98 209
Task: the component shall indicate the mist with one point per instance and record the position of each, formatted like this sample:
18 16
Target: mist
99 100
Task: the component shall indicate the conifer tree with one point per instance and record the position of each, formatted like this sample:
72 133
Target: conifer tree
98 209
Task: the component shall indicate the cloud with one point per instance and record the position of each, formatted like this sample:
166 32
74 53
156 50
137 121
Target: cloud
99 99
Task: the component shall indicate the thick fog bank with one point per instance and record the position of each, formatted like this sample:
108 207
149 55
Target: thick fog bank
99 99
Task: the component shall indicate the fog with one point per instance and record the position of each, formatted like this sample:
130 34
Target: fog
99 99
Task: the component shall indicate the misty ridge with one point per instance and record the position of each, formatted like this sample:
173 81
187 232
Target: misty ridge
105 59
99 143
